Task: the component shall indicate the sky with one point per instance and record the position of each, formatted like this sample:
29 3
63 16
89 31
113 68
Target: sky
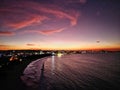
60 24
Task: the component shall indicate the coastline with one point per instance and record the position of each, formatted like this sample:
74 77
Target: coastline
10 76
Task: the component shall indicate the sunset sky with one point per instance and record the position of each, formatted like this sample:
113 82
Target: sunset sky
60 24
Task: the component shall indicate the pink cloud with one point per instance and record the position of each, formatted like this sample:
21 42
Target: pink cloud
21 18
6 33
52 9
46 32
22 14
25 23
61 14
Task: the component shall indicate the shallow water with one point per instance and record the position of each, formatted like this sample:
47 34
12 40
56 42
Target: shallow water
80 72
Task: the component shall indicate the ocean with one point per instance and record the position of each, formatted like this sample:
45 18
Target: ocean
74 72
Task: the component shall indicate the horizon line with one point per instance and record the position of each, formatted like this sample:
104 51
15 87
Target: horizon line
105 49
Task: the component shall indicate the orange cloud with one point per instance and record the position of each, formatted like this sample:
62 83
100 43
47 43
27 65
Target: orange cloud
11 47
6 33
46 32
30 44
37 19
5 47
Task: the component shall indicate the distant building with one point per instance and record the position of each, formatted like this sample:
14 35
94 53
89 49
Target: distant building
83 52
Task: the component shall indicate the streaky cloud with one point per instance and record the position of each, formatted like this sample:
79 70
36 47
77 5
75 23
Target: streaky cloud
59 12
62 14
6 33
46 32
3 47
8 47
23 14
25 23
30 44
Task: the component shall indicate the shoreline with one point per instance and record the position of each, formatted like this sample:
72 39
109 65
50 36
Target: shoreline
10 76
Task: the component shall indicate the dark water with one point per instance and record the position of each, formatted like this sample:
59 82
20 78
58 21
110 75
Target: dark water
77 72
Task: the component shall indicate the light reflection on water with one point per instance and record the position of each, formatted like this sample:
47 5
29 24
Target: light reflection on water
53 64
82 71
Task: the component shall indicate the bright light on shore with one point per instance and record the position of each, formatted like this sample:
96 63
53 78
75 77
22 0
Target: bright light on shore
59 54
